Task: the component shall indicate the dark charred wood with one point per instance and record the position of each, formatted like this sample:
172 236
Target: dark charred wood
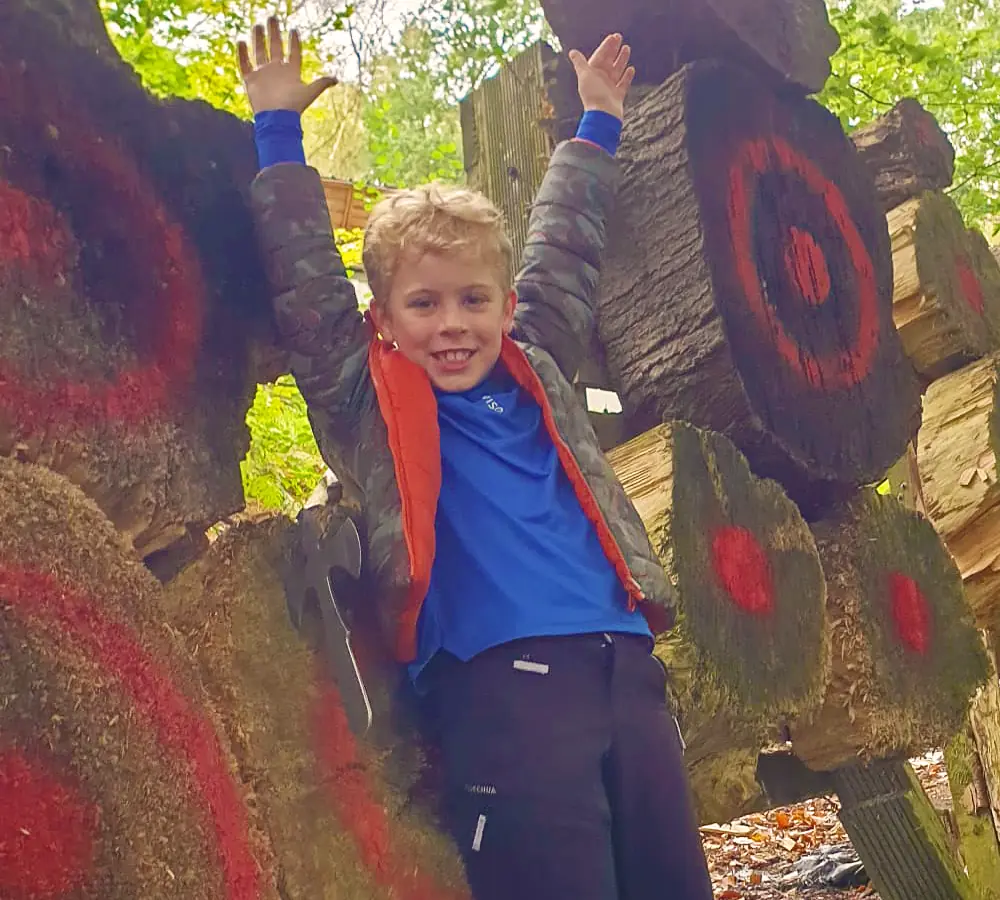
747 285
787 41
907 153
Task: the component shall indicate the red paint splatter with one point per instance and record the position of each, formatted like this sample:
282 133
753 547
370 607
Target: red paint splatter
46 832
174 290
972 290
112 647
805 264
350 787
32 234
743 570
911 613
838 369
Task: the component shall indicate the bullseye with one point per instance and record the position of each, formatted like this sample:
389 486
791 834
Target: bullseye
46 831
838 368
805 265
972 290
910 612
742 569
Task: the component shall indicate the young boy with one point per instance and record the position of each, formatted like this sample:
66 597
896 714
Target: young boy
515 578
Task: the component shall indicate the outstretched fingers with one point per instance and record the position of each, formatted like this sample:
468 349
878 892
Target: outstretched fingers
276 50
259 46
243 55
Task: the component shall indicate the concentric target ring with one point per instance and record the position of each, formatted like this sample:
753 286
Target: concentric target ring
51 611
842 368
121 226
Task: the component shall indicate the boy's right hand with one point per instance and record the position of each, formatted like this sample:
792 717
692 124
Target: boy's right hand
275 82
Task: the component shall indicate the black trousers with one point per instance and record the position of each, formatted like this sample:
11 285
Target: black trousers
564 772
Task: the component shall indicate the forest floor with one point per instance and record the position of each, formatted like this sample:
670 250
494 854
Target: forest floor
750 857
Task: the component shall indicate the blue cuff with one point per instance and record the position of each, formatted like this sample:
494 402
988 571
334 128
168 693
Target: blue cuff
600 128
278 135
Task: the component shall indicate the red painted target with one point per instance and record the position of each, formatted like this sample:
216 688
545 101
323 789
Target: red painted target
62 816
809 271
124 238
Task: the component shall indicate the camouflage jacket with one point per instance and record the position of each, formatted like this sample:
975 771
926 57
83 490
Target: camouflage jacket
374 412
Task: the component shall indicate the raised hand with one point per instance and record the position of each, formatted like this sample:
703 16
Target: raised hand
275 82
604 79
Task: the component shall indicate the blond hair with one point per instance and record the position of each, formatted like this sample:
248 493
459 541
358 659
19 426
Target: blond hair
434 218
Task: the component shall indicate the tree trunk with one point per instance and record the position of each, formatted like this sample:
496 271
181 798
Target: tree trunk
940 308
785 41
956 457
985 721
906 152
747 285
898 834
906 655
133 309
750 647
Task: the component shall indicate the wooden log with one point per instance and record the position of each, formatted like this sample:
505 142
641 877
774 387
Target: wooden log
906 152
940 307
898 834
750 646
747 285
956 459
116 780
906 656
346 817
984 719
133 311
786 41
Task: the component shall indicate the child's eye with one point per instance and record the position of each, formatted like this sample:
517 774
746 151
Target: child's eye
476 299
420 303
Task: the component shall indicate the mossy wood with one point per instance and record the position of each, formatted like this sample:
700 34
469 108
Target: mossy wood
942 310
898 834
116 779
783 40
971 778
346 818
906 152
956 458
907 658
133 317
747 284
750 646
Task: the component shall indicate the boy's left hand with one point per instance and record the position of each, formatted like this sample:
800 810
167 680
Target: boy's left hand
604 79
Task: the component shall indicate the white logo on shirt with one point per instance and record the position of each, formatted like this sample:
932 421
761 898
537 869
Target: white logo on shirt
491 404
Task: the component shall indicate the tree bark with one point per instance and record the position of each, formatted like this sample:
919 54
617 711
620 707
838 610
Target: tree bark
906 152
906 655
747 285
133 309
898 835
785 41
940 307
956 457
750 647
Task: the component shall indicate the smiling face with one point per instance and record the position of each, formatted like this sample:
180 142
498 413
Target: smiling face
447 313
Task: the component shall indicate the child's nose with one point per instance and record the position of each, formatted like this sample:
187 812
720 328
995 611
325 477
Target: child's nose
452 318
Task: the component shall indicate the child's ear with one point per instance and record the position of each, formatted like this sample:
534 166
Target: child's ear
508 313
382 325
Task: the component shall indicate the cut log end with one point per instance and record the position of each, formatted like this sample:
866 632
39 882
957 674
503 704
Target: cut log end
769 317
745 565
957 464
906 152
127 233
943 305
906 655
